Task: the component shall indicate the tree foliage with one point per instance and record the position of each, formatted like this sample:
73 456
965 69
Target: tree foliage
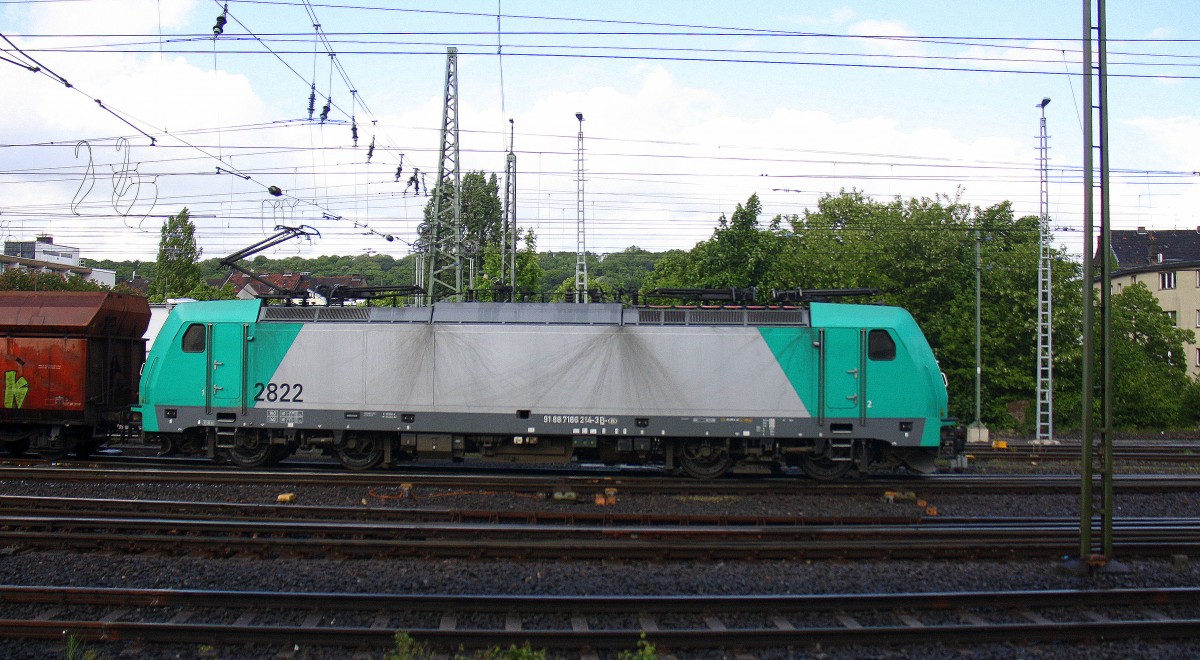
177 269
1150 378
482 214
23 279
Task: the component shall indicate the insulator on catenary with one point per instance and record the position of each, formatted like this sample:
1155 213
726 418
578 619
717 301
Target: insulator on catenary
325 112
274 191
219 28
312 101
354 132
371 152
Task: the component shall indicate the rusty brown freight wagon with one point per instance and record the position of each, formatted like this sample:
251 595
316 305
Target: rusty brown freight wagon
70 362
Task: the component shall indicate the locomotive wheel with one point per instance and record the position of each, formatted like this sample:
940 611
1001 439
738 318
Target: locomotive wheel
85 449
251 449
278 453
361 451
52 454
705 460
824 469
17 447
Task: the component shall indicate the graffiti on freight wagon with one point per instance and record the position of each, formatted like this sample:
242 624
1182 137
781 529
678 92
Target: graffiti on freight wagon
15 389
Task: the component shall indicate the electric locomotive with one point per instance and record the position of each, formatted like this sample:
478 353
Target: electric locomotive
832 388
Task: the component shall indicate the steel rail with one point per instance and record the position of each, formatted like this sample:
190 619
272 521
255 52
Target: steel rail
602 622
1177 454
628 483
924 540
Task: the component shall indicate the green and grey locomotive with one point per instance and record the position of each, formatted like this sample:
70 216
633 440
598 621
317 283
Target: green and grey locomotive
832 388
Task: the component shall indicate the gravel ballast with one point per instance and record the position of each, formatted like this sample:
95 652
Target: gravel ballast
584 578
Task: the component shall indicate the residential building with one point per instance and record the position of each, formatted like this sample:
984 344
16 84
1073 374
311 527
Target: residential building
42 254
313 285
1168 263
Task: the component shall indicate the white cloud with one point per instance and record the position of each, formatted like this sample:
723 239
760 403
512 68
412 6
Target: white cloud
884 28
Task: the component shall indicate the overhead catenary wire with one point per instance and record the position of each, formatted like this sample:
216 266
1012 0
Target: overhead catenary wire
685 176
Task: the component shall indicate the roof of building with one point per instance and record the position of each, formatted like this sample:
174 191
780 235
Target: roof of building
280 283
1151 248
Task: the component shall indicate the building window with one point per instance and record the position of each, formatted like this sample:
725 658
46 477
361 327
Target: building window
1171 314
1166 279
1198 357
1198 318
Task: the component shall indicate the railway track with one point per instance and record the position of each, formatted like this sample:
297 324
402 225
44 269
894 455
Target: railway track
673 622
1175 453
221 530
587 483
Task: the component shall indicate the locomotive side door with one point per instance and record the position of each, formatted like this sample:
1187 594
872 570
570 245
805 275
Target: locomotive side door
226 362
843 366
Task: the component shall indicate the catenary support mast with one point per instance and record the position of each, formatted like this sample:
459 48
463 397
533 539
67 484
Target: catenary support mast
1096 499
444 243
508 253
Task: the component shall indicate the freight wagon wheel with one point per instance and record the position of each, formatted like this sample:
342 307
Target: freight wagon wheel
251 449
705 460
824 469
361 451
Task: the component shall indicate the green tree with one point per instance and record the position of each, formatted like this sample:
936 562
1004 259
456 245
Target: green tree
23 279
482 214
178 270
1149 366
739 255
624 270
529 270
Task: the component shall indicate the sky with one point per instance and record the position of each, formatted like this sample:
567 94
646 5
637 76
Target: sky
689 108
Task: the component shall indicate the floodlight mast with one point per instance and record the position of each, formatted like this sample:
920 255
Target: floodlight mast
581 274
1045 323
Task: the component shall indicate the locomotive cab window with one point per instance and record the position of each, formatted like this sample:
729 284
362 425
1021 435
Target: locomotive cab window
880 345
193 339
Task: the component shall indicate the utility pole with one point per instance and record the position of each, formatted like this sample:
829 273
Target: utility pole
444 262
1045 324
508 253
977 431
1093 555
581 276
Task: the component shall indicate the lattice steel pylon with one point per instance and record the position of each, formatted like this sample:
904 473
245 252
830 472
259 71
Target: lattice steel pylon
581 274
1045 322
443 262
508 253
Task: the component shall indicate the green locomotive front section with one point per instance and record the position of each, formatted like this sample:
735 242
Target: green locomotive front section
829 388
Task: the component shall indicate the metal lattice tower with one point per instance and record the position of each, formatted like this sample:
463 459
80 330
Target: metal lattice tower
581 275
444 251
508 251
1045 322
